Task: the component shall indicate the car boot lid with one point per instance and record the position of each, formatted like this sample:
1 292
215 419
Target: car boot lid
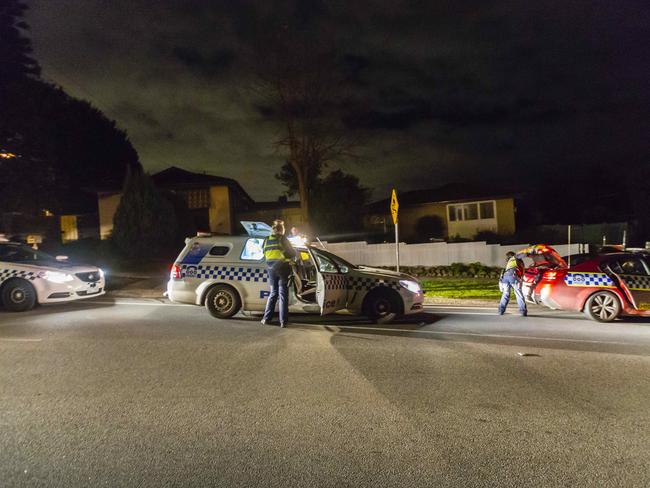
543 255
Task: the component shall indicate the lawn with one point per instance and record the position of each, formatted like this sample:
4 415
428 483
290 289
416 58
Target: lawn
467 288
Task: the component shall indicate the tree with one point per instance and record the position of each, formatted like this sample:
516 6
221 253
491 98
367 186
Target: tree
144 223
15 48
61 145
338 201
299 78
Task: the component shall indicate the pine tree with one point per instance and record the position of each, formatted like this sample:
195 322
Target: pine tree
15 48
145 223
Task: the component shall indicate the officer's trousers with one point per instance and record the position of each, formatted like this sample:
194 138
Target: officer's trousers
279 282
510 281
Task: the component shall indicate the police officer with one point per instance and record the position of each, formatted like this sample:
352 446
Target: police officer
511 278
278 253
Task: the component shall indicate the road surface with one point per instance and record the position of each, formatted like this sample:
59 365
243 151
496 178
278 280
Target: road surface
143 393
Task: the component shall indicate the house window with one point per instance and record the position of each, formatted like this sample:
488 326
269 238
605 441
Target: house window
198 198
471 211
487 210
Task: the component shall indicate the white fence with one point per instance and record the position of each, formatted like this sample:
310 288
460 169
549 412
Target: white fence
432 254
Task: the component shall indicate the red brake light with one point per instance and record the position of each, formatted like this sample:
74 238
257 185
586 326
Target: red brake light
554 275
175 272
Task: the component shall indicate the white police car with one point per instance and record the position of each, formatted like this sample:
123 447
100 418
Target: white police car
228 274
28 277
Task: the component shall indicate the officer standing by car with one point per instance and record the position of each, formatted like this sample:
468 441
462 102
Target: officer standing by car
511 278
278 253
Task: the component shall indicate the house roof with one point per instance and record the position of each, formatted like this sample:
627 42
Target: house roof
174 178
452 192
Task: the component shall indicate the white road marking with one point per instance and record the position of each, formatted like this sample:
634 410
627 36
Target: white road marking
17 339
145 304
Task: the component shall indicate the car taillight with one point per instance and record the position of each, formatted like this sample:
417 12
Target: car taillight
554 275
175 272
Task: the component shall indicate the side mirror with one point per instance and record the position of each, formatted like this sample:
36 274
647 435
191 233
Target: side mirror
61 258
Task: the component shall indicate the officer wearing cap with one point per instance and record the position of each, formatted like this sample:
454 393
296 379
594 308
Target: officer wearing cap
278 253
511 278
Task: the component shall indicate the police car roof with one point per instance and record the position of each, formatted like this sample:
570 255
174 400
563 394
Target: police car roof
226 239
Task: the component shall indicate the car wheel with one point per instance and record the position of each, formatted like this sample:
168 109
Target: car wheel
382 306
222 301
603 306
18 295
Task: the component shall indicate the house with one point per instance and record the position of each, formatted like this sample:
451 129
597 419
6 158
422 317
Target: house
453 210
289 212
216 204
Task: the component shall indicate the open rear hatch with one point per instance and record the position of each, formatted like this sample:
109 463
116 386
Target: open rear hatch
543 256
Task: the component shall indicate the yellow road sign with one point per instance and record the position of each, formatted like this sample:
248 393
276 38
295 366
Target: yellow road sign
394 206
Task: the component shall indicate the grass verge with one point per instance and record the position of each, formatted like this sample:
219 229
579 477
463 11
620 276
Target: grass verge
463 288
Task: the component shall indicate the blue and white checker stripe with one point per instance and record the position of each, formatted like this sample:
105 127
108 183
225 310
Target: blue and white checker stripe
363 283
636 282
334 281
225 273
7 273
589 279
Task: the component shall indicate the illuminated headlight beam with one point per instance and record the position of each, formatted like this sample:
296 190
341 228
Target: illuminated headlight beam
412 286
56 277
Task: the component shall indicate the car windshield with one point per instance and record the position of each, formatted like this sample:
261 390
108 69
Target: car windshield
340 262
18 253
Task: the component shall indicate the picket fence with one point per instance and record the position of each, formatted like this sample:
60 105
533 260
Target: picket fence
433 253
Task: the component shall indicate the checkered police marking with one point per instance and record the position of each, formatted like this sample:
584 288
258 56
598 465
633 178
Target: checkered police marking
225 273
597 280
334 281
635 282
363 283
6 274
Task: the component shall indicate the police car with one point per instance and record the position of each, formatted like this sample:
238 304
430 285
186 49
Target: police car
29 277
227 274
604 287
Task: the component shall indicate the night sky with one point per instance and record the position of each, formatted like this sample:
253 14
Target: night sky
493 92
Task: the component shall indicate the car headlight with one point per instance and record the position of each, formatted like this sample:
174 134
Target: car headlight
56 277
412 286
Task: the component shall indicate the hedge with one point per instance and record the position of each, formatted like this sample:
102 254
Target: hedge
454 270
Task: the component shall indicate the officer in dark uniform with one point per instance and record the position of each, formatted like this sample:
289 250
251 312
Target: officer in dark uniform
511 278
278 253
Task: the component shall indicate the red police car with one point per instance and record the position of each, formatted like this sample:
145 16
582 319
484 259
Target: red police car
604 287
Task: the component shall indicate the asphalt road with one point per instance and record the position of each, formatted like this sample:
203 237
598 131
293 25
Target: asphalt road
140 393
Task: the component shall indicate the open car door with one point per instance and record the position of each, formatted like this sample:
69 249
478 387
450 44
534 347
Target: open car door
331 284
256 229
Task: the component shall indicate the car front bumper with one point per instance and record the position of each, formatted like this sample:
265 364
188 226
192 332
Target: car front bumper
49 292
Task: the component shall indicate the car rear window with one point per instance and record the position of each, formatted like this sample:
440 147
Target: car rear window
219 250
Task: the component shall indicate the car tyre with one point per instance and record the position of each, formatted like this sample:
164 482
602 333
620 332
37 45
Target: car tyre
603 306
222 301
382 306
18 295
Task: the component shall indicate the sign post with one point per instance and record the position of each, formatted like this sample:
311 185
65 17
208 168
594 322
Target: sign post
394 207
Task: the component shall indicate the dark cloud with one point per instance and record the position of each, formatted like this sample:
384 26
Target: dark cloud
440 91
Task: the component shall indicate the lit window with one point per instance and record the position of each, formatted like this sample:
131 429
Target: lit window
198 198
